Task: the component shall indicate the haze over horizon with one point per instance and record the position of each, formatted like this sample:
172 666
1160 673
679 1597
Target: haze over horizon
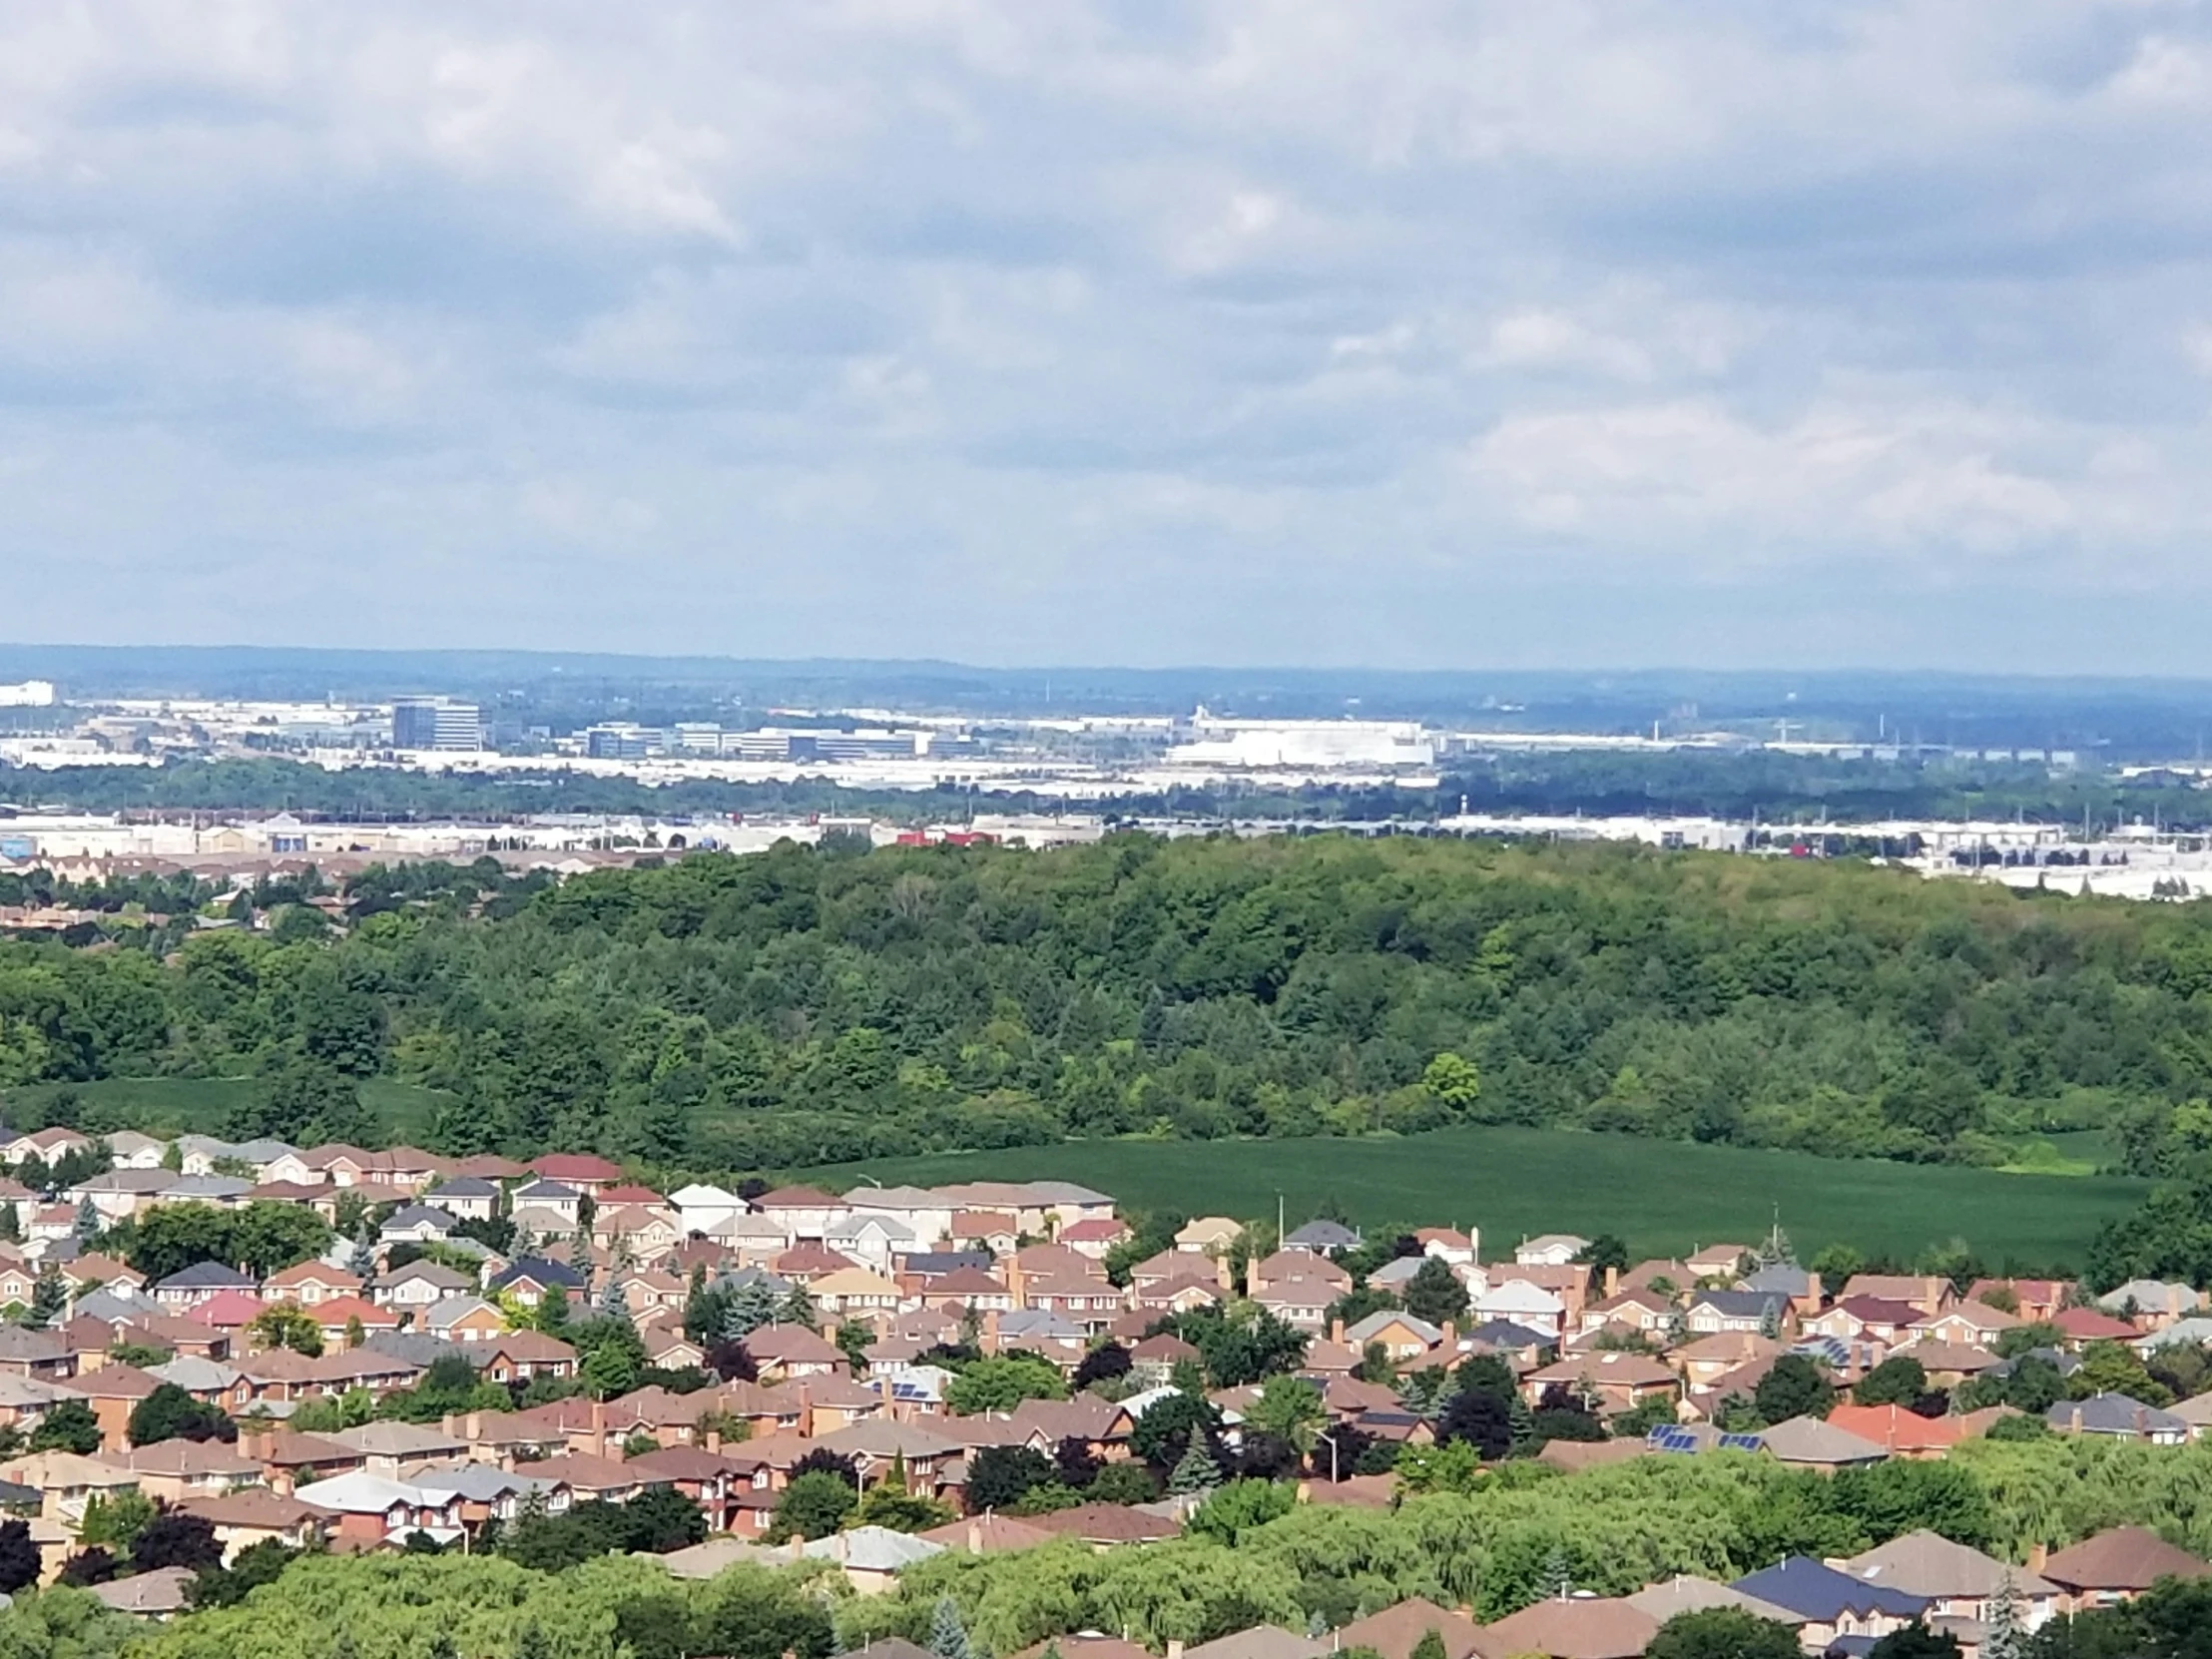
1337 336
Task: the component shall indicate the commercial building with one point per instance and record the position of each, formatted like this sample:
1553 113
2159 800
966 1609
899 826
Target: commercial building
435 722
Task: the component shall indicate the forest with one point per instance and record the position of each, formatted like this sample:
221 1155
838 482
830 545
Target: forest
809 1005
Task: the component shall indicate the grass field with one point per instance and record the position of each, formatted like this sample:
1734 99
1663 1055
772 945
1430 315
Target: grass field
1660 1196
198 1105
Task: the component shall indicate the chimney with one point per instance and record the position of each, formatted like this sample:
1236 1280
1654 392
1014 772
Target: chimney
1175 1648
1449 1342
1337 1332
975 1537
1251 1275
714 1443
1222 1275
1612 1283
2038 1557
474 1425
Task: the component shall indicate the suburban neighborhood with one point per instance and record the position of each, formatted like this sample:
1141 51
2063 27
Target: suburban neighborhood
467 1346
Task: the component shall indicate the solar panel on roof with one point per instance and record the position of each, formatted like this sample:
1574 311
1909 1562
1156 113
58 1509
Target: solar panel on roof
1742 1443
1673 1439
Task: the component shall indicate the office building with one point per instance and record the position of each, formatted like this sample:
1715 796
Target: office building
435 722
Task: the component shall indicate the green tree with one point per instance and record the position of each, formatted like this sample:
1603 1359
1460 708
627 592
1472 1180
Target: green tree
69 1426
1435 1293
1916 1641
1897 1381
1723 1633
1794 1388
1001 1384
813 1505
948 1638
285 1324
1195 1471
169 1413
1290 1408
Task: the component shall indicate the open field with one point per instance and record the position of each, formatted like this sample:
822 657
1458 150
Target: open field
1660 1196
198 1105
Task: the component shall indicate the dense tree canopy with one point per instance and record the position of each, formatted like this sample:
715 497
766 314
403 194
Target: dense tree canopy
797 1006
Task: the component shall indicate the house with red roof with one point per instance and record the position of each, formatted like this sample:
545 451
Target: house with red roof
2087 1325
311 1282
585 1171
1095 1237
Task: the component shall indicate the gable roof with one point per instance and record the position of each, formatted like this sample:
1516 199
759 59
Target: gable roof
1819 1593
1396 1630
2125 1559
1929 1564
1579 1627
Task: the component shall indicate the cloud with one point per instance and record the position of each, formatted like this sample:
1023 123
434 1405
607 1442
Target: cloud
1350 329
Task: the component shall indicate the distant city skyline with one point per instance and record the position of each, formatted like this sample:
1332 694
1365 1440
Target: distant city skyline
1356 333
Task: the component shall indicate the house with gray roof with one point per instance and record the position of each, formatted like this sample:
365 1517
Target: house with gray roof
2118 1417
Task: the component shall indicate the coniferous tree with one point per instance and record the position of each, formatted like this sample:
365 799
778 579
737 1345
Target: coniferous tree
1195 1471
948 1638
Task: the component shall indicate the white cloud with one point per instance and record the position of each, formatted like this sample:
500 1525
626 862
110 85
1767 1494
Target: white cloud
953 327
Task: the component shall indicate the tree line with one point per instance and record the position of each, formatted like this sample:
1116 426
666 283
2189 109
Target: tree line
810 1006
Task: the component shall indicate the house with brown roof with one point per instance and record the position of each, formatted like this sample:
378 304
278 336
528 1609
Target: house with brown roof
173 1472
790 1351
1876 1321
1959 1583
253 1516
2110 1569
1611 1380
1396 1630
1928 1292
1571 1627
310 1283
1105 1525
1094 1237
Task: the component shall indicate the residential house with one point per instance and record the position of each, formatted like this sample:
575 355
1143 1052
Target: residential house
119 1194
2033 1300
2118 1417
1763 1312
793 1351
1301 1303
988 1230
189 1287
1610 1381
1903 1432
803 1212
1320 1237
1928 1292
584 1171
369 1509
1397 1629
1516 1302
177 1471
925 1213
553 1198
310 1283
128 1149
1831 1605
874 1240
1572 1627
856 1292
2113 1567
462 1318
1096 1237
417 1224
396 1450
1403 1336
521 1355
1810 1443
1549 1249
2150 1304
421 1285
2082 1325
1877 1322
1955 1581
253 1516
1965 1324
530 1279
1208 1236
46 1145
466 1197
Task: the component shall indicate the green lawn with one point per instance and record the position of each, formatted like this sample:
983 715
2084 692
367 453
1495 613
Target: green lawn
1660 1196
198 1105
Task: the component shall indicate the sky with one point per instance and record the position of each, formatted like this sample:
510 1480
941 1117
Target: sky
1327 332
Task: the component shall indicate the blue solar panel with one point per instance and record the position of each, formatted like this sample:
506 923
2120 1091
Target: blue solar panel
1673 1439
1742 1443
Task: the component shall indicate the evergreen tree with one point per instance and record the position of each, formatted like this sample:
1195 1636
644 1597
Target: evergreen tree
750 1306
948 1638
11 1224
2006 1636
87 1225
614 1301
1523 1420
799 1309
49 1297
1195 1471
361 1262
